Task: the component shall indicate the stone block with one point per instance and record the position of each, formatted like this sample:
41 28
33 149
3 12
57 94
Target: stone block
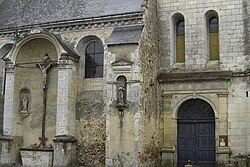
65 151
223 155
37 157
168 156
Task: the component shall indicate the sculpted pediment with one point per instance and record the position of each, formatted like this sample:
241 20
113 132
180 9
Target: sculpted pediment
122 62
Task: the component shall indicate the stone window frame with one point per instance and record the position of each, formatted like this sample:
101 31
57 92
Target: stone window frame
87 75
208 16
175 19
81 47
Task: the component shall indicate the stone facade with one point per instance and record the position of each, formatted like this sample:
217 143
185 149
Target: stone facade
130 115
228 96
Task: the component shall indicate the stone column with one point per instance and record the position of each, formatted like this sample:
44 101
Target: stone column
8 101
223 152
6 139
65 142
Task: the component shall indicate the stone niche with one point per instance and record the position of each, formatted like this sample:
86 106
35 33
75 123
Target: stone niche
36 101
28 90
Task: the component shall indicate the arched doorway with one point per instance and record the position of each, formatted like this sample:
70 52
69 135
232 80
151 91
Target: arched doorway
196 134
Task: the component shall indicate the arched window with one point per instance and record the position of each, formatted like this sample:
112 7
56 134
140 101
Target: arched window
213 28
180 40
94 60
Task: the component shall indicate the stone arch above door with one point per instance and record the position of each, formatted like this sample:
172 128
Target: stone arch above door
176 104
194 109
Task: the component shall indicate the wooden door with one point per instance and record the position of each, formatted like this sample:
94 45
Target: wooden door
196 134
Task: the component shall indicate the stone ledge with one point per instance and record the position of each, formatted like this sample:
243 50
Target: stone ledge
168 149
6 138
37 149
191 76
223 150
65 139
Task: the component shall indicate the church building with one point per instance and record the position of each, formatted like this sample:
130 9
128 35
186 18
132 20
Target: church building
124 83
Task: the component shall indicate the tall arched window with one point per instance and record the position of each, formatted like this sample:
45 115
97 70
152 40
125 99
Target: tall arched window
213 28
94 60
180 40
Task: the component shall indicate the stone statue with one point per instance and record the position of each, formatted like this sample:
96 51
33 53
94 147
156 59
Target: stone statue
44 67
24 103
121 94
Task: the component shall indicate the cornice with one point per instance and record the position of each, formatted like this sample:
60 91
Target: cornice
81 24
191 76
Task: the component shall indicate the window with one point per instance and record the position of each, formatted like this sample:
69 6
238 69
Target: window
180 41
94 60
213 26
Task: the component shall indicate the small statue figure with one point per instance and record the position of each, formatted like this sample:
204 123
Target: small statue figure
24 104
121 94
44 67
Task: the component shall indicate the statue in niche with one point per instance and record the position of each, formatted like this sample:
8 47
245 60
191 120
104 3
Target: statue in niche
121 101
121 94
25 103
24 100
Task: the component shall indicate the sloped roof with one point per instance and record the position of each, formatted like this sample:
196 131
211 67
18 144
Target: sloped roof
125 35
17 13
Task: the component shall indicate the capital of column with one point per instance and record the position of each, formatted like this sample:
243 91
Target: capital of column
65 64
222 94
9 67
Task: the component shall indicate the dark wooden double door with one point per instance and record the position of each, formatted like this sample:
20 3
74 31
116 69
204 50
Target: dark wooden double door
196 142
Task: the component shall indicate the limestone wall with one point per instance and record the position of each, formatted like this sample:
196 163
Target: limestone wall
231 36
90 113
91 128
238 108
149 101
122 135
247 31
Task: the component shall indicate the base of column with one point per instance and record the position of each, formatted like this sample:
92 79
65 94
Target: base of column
223 155
167 156
5 154
64 151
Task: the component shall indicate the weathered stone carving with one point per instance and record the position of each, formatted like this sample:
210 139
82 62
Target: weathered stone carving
45 67
24 100
9 67
121 93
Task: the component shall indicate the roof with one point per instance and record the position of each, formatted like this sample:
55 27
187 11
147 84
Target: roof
17 13
125 35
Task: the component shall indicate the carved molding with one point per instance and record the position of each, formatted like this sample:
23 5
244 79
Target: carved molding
35 30
90 23
122 65
9 68
122 62
67 56
65 139
65 64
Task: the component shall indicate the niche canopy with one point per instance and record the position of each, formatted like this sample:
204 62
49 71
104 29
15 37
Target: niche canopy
65 51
